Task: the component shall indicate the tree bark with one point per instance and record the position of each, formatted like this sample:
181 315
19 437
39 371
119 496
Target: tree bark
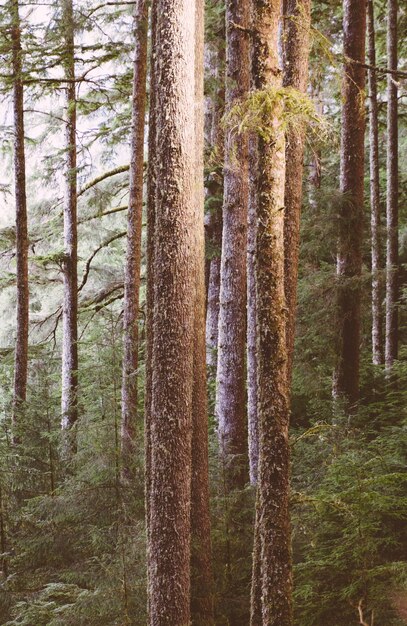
375 217
174 304
201 562
21 350
297 15
69 399
231 394
134 227
272 515
151 205
392 191
213 221
349 260
252 412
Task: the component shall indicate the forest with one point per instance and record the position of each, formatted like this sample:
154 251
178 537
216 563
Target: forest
203 290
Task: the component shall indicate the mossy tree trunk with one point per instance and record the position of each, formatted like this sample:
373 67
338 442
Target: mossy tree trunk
272 579
297 20
230 378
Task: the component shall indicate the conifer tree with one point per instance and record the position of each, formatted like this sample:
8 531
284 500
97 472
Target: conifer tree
21 349
69 399
349 257
134 224
173 321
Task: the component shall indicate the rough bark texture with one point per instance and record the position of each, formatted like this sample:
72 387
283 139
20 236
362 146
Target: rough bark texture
231 395
252 414
213 221
297 16
201 563
174 304
273 524
349 261
133 258
375 217
69 399
392 191
151 202
21 351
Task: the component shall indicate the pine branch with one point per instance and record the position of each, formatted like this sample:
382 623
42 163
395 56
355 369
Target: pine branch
90 259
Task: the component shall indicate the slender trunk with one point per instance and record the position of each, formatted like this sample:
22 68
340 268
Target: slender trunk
201 562
134 226
174 304
231 394
215 193
21 351
151 202
392 191
252 413
69 400
349 261
375 218
296 52
272 515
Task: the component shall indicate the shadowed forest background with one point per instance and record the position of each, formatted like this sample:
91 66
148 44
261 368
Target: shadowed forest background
203 269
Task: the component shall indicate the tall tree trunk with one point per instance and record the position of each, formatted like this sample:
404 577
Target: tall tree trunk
134 225
392 190
21 351
69 400
349 261
151 204
297 17
174 305
272 515
231 395
252 413
201 562
215 193
375 218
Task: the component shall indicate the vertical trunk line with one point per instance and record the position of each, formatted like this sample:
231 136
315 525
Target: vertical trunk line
134 228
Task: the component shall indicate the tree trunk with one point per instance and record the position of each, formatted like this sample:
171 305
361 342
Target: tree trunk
69 400
375 218
201 562
21 351
252 413
272 515
134 225
392 191
215 194
151 204
174 304
297 17
231 395
349 261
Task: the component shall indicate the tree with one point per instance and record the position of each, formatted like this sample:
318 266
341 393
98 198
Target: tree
201 557
134 225
297 20
392 190
21 349
69 399
375 218
349 257
230 383
173 323
272 578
